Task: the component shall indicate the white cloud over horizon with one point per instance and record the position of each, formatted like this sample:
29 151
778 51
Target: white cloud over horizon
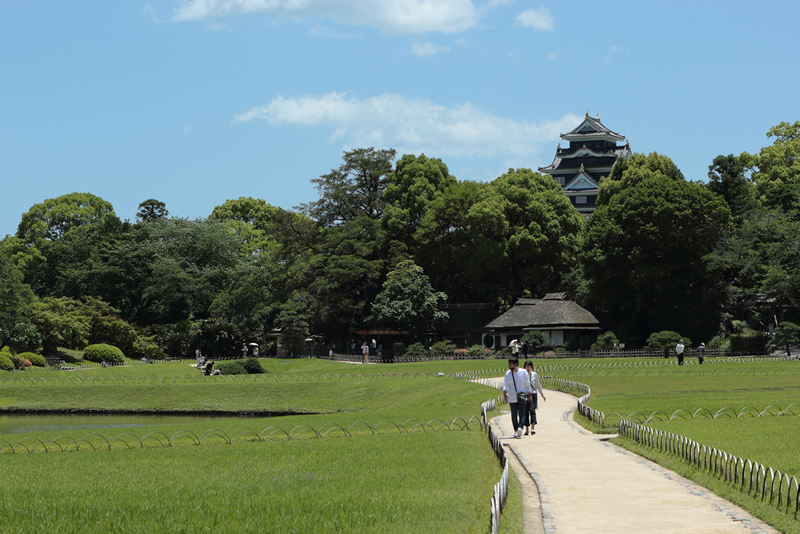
392 16
413 125
539 19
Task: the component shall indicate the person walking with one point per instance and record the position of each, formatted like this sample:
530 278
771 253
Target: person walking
701 353
679 350
365 351
533 404
517 392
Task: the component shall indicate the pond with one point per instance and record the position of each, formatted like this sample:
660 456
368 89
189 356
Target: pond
25 423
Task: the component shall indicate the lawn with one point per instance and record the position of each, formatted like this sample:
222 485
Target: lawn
390 461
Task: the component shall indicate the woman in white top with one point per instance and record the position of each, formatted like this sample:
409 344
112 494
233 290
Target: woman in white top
530 409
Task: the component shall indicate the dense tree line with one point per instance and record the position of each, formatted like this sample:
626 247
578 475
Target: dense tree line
389 240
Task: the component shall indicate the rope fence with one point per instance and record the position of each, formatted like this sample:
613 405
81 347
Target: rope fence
739 472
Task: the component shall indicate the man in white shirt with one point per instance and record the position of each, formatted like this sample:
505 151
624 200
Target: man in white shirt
517 392
679 351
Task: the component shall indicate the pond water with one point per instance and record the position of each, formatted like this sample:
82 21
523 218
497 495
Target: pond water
24 423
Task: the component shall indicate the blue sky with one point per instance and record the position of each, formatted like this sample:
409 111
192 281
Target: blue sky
198 101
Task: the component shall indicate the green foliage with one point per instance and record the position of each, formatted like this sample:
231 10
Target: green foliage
253 366
537 341
150 210
36 359
606 341
409 301
479 351
719 342
6 364
415 182
54 217
443 346
294 324
778 164
103 352
230 368
16 300
749 342
416 350
666 341
646 252
786 336
353 190
727 176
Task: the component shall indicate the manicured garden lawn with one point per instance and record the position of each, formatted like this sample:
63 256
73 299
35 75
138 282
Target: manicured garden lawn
400 469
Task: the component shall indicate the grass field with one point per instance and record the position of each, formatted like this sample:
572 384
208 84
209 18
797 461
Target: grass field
399 468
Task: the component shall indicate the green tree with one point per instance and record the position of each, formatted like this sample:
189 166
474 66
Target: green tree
786 336
513 237
666 341
353 190
415 182
647 249
56 216
779 163
16 301
150 210
293 319
727 176
409 301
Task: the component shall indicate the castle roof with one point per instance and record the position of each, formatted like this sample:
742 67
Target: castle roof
592 130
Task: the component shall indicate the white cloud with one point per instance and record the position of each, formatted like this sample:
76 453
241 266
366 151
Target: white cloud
539 19
552 56
413 126
427 49
393 16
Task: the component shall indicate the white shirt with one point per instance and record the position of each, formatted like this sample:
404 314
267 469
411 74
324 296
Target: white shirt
535 384
679 348
522 381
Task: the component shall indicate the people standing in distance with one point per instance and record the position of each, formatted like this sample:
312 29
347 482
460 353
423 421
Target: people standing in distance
533 404
701 353
514 348
679 351
365 351
518 384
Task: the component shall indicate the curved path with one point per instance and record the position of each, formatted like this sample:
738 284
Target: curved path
586 484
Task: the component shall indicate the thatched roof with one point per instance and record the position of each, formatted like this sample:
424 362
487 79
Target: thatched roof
553 312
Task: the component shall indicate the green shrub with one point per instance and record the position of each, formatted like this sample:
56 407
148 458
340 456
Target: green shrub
479 351
665 341
101 352
416 350
5 361
749 342
20 362
719 342
537 341
606 341
444 346
36 359
230 368
252 366
6 350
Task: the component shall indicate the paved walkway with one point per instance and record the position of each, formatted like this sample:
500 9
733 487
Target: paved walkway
586 484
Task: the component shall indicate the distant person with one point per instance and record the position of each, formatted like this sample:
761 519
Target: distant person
244 350
199 356
701 353
514 348
533 404
365 351
679 351
525 348
518 384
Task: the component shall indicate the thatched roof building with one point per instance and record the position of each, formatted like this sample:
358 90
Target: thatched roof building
564 321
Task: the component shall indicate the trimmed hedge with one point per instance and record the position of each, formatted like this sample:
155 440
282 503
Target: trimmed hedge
5 361
101 352
230 368
253 366
36 359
